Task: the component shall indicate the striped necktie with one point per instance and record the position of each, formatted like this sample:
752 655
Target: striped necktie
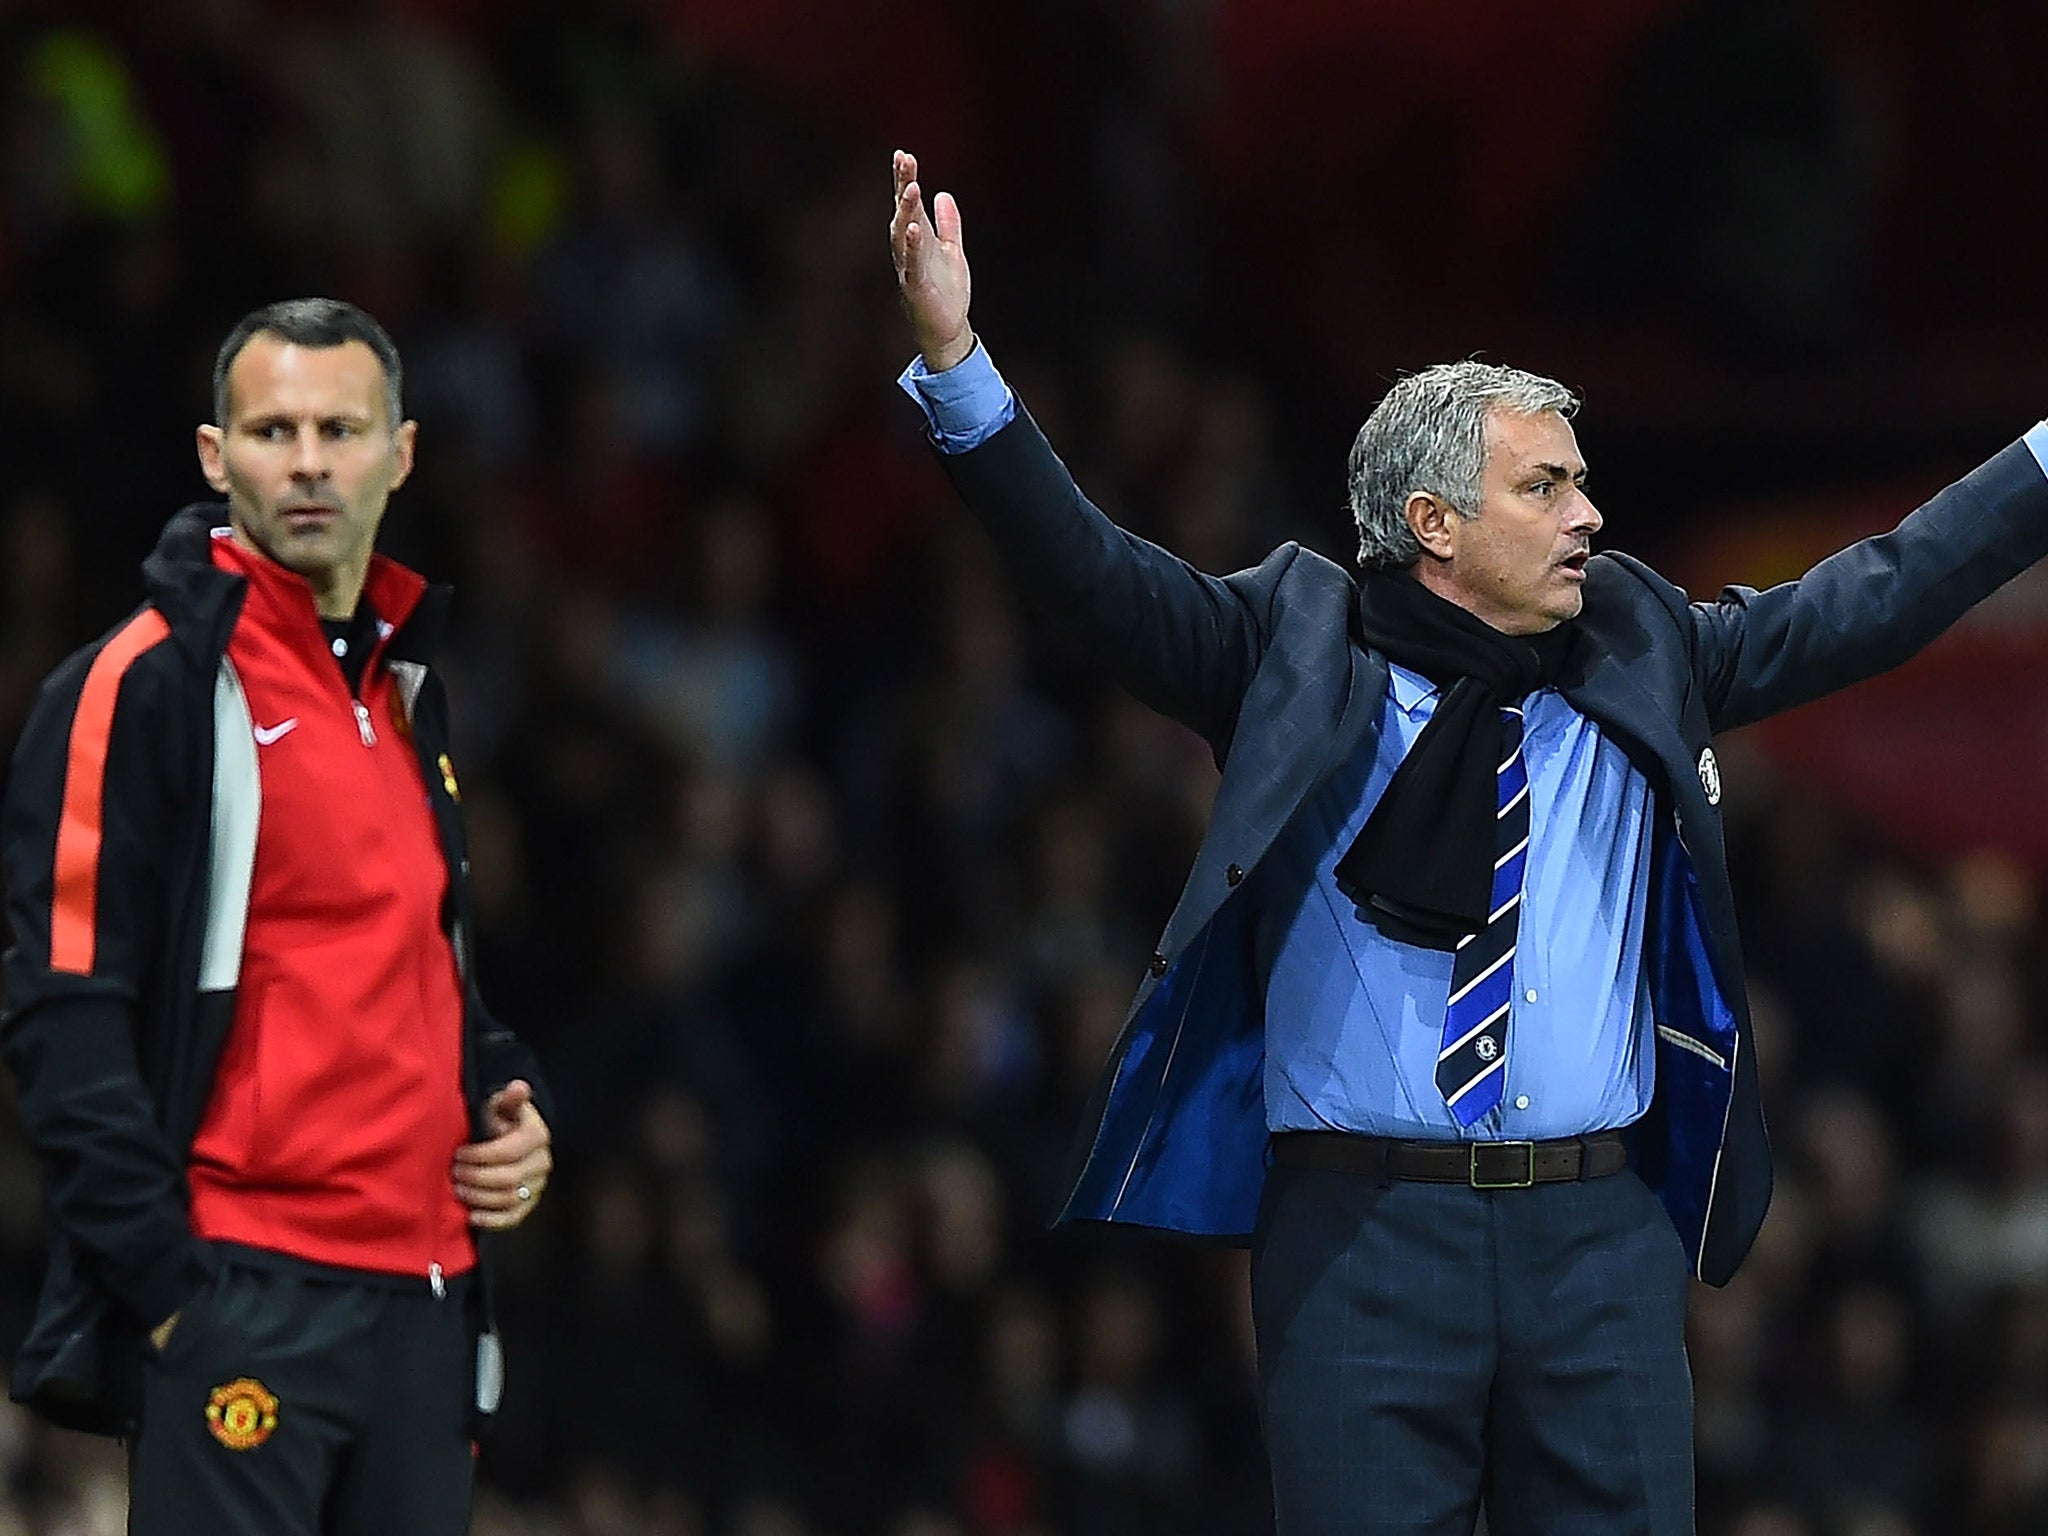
1472 1065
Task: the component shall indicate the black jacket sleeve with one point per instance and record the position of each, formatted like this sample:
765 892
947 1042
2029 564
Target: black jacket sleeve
1874 605
94 773
1183 642
497 1056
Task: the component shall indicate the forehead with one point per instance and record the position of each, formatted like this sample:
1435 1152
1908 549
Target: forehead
274 377
1518 442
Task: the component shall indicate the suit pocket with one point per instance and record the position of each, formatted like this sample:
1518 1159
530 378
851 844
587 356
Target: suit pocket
194 1326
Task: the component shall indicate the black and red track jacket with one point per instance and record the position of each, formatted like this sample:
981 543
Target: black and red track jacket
129 846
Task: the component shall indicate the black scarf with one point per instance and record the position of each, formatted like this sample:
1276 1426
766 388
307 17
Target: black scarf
1421 869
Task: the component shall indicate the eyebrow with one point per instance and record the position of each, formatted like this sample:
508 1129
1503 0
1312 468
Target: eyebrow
1559 472
269 418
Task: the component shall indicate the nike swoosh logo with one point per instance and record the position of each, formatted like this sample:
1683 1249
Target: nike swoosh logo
266 734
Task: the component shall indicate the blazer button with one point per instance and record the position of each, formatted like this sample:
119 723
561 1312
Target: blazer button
1234 875
1159 965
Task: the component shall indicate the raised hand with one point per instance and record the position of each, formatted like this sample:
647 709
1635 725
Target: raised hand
931 268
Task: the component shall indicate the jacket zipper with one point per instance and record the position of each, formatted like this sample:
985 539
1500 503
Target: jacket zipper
437 1279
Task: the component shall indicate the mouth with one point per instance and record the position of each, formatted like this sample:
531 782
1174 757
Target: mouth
308 515
1574 564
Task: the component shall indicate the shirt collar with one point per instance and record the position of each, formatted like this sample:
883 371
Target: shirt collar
391 590
1415 694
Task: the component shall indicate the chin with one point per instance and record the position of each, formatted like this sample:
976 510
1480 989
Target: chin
313 564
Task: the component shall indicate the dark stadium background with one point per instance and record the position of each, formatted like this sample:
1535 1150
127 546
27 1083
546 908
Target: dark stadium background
819 876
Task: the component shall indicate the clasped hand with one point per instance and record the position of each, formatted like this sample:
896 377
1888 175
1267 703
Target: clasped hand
501 1177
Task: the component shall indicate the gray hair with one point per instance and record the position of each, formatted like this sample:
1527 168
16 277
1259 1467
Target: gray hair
1429 434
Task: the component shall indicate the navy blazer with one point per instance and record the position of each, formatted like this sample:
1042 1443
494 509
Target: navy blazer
1268 667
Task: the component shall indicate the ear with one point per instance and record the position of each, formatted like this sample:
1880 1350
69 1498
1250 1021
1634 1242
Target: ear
402 444
212 445
1432 521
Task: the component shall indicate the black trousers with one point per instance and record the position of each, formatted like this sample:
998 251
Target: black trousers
1424 1347
290 1405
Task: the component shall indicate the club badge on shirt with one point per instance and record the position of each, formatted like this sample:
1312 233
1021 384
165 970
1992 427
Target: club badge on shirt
241 1413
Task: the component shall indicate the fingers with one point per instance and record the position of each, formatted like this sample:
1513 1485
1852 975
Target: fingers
907 237
502 1210
514 1094
528 1137
909 205
931 267
526 1134
497 1189
509 1175
499 1210
500 1179
505 1108
909 226
946 219
501 1196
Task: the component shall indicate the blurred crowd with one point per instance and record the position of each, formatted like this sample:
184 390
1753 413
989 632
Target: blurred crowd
818 872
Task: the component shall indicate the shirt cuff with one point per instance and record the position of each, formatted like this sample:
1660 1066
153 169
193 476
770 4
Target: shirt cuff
2037 440
964 406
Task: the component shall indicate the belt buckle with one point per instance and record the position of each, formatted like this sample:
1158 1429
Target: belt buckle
1527 1178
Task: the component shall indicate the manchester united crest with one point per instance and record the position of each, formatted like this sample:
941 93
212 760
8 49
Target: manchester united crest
241 1413
448 779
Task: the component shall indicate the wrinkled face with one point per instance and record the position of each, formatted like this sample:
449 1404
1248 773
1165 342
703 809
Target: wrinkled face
307 459
1519 564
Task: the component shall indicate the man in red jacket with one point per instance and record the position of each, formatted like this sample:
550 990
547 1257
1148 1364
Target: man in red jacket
272 1110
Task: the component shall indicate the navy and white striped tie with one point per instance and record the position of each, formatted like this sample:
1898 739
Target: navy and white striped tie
1471 1067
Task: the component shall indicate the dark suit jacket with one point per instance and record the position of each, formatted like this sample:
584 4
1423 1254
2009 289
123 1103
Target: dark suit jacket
1267 666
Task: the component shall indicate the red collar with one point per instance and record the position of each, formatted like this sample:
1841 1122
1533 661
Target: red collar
282 600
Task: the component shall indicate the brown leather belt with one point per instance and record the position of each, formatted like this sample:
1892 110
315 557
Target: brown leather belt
1481 1164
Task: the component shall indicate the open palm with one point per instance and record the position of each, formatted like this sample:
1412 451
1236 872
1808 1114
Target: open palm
931 268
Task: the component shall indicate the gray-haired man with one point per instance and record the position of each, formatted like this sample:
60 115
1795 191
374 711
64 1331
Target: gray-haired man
1449 1023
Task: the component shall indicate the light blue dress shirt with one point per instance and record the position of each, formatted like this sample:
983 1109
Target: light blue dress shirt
1354 1020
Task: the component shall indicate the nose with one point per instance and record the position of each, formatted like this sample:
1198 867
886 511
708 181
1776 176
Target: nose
1585 516
309 454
